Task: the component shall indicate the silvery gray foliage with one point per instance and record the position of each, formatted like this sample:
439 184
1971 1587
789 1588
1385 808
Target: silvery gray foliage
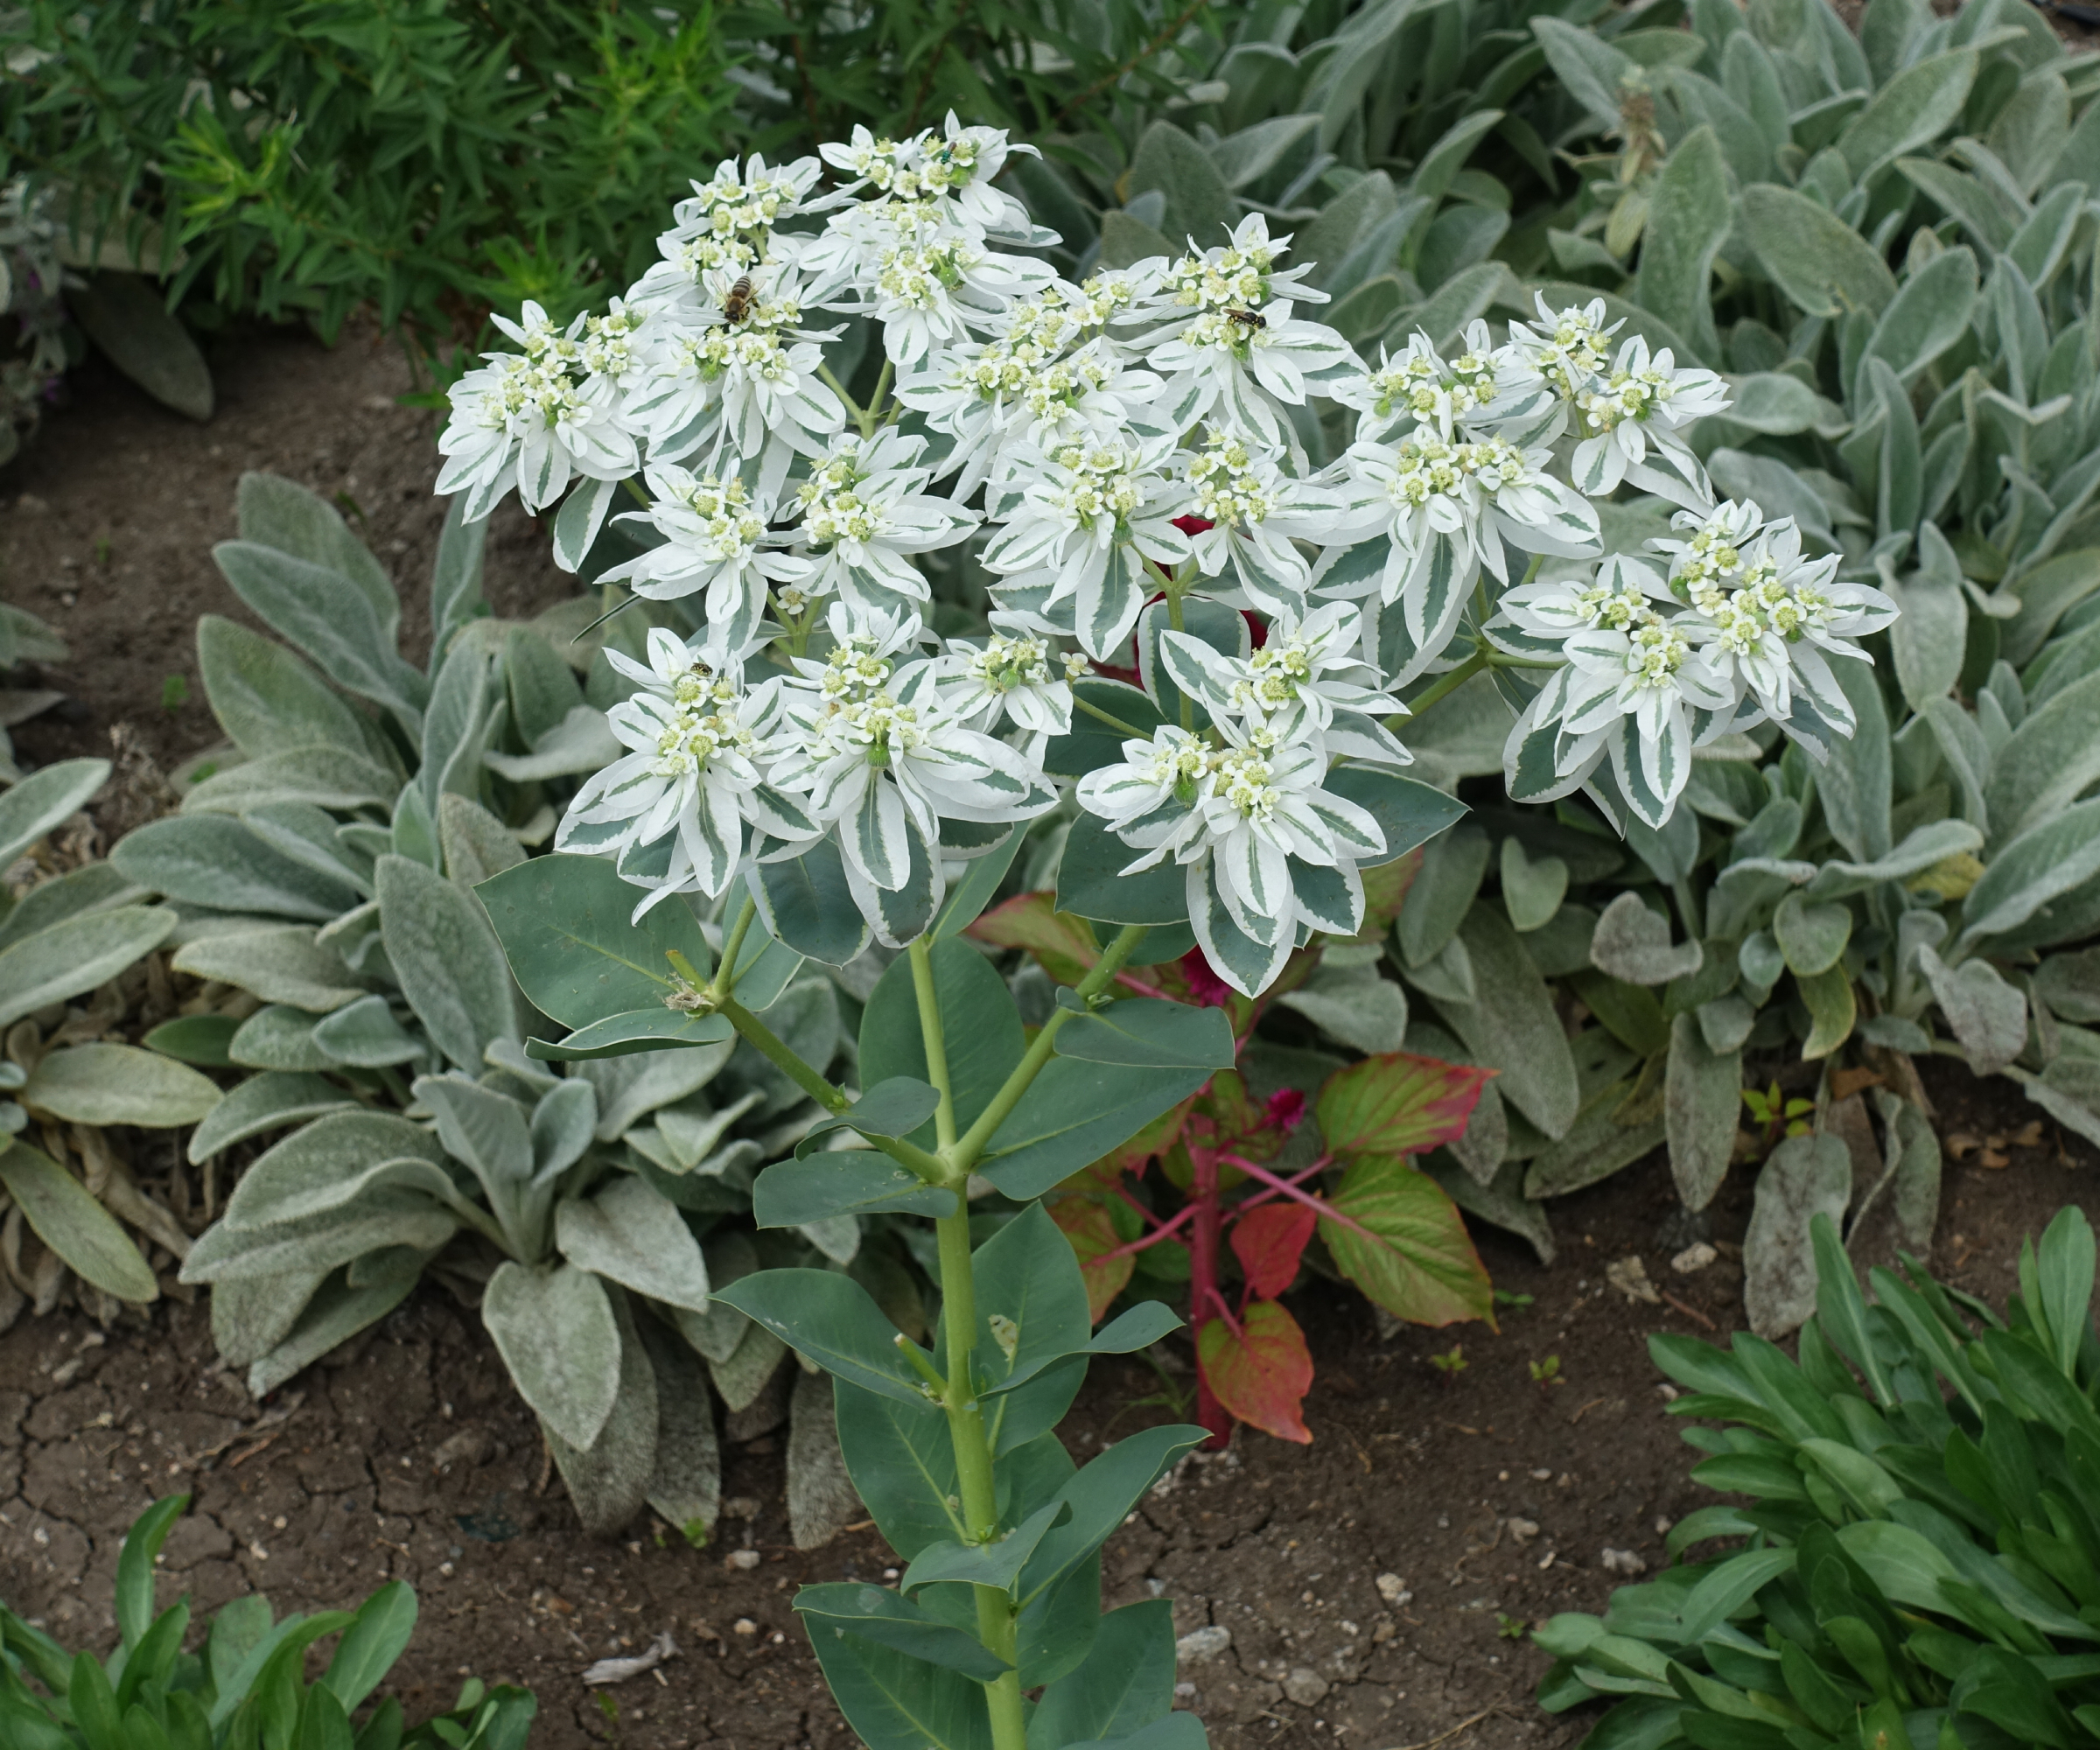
319 879
1900 297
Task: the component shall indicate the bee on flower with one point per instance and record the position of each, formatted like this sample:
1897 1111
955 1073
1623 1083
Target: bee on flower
1226 368
727 226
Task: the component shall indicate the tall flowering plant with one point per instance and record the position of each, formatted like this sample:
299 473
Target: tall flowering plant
819 387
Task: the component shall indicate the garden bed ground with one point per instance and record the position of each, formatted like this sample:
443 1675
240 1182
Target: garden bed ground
109 518
408 1456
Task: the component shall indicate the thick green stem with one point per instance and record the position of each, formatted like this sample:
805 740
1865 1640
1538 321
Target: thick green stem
974 1481
853 408
770 1047
935 1040
870 418
963 1155
967 1436
832 1099
1448 684
725 980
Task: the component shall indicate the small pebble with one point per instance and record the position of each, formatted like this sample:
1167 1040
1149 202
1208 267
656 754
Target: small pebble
1623 1562
1521 1531
1202 1643
744 1625
743 1560
1393 1590
1305 1686
1694 1258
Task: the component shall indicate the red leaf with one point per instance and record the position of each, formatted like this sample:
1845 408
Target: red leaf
1261 1375
1064 945
1269 1241
1087 1225
1398 1104
1408 1247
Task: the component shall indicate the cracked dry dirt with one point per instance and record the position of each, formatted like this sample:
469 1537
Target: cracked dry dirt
1481 1499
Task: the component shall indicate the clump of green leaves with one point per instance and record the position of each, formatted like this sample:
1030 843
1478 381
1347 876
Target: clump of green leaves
427 159
1777 1115
64 938
1317 1169
246 1685
1921 1564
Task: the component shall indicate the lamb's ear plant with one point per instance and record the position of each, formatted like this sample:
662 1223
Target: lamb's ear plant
316 884
58 286
81 931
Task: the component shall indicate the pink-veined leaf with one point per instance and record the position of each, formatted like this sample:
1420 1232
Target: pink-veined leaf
1269 1241
1408 1247
1065 946
1262 1373
1086 1223
1398 1103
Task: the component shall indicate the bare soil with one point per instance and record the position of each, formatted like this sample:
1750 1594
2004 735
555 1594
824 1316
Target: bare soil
408 1455
109 518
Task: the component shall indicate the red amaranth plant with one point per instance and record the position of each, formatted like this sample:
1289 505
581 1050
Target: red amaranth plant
1214 1193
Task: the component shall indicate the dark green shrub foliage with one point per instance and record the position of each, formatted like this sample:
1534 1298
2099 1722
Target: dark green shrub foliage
244 1688
1922 1568
427 156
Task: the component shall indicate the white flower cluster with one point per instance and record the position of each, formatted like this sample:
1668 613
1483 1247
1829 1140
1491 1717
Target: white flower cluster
1096 446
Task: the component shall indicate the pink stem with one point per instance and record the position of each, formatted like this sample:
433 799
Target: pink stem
1288 1188
1153 1220
1203 1289
1164 1231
